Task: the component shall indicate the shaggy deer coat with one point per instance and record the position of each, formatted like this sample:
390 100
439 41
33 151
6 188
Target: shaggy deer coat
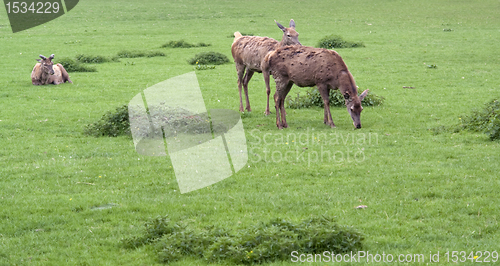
249 52
308 67
45 72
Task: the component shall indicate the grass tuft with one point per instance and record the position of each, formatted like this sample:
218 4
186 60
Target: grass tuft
313 98
95 59
111 124
183 44
336 42
208 58
74 66
485 120
135 54
260 243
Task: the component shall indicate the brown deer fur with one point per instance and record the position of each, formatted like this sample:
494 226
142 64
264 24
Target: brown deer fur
307 67
45 72
249 52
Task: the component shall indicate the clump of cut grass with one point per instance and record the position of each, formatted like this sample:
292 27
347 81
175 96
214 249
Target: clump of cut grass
135 54
72 65
261 243
312 98
183 44
95 59
208 58
336 42
485 120
111 124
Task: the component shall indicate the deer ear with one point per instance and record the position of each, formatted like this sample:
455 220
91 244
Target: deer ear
51 56
363 95
38 60
292 24
280 26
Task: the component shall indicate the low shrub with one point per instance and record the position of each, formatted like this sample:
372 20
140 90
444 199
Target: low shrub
208 58
111 124
183 44
135 54
312 97
336 42
72 65
261 243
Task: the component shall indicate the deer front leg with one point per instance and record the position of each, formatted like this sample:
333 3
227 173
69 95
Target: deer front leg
277 107
324 92
240 69
246 79
268 91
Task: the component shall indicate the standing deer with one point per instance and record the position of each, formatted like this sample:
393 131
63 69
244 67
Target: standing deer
307 67
249 52
45 72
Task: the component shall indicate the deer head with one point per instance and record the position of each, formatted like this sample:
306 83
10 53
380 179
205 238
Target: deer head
290 36
47 65
353 104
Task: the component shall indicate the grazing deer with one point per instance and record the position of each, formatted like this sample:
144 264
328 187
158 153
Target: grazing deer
249 52
307 67
45 72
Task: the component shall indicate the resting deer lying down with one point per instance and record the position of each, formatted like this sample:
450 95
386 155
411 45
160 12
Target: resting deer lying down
249 52
307 67
45 72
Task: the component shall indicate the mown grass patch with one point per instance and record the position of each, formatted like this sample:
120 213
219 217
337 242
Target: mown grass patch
208 58
486 120
95 59
337 42
259 243
111 124
183 44
137 53
72 65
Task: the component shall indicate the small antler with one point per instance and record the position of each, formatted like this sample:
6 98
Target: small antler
43 57
51 56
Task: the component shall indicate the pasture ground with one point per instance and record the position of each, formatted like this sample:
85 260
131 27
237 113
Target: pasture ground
424 192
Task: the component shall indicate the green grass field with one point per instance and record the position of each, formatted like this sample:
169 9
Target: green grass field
69 199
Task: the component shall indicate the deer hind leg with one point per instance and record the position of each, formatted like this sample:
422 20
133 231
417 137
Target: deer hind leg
240 69
324 91
246 79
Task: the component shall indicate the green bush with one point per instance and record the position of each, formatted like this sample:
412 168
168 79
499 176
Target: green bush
135 54
336 42
111 124
74 66
261 243
313 98
183 44
208 58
